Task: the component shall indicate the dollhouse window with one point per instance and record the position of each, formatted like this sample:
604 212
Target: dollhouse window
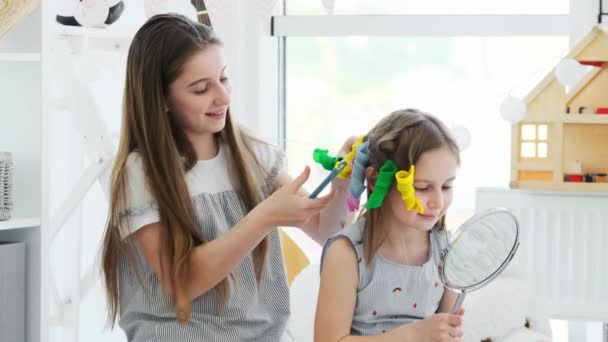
534 141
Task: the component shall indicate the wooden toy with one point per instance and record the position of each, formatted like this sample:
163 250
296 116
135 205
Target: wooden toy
564 134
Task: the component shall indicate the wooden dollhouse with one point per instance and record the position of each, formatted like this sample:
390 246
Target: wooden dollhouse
562 142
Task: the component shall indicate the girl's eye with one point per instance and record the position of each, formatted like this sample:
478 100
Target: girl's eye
422 189
447 187
201 91
224 79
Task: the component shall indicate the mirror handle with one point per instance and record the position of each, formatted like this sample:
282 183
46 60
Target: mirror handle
458 303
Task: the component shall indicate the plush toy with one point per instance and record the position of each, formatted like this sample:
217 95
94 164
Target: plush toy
505 310
89 13
102 13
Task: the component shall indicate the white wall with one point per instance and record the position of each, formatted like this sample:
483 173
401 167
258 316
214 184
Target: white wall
252 57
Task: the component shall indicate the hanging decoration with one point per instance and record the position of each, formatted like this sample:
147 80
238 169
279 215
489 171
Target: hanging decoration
462 136
513 109
569 72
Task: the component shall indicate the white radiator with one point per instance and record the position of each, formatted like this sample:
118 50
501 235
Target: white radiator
564 247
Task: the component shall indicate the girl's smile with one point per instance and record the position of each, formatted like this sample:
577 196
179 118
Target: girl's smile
428 217
216 116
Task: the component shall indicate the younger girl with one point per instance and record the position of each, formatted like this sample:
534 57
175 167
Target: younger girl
190 251
379 278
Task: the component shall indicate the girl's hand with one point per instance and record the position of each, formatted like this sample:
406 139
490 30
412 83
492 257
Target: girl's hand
440 327
289 207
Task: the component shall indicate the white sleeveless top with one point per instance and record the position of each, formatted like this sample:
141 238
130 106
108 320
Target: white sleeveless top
255 312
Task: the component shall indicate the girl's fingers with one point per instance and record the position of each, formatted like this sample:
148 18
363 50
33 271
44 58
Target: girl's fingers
323 201
455 332
297 183
454 320
320 202
347 146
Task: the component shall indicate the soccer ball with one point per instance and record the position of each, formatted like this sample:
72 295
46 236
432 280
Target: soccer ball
89 13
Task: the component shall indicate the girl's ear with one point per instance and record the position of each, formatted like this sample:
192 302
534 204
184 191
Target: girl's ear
370 177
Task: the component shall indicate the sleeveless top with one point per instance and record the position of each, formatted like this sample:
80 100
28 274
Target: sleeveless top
390 294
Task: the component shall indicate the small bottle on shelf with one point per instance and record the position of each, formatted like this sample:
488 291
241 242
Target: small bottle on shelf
6 185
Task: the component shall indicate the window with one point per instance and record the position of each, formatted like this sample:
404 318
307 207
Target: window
340 86
534 141
343 73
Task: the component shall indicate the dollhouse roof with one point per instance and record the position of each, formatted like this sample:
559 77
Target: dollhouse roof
589 50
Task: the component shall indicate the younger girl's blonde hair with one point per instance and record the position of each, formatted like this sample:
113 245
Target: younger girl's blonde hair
402 136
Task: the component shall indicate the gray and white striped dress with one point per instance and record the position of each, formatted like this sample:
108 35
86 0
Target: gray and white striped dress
391 294
255 312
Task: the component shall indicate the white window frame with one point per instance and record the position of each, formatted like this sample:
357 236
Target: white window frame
419 25
582 16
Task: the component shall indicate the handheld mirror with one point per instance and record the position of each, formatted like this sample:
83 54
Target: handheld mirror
483 247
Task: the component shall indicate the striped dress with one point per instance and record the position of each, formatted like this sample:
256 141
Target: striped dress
390 294
255 312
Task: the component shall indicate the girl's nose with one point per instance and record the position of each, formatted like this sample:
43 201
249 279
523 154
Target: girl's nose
223 97
435 201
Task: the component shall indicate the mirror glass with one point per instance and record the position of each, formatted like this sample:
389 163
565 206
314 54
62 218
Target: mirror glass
481 249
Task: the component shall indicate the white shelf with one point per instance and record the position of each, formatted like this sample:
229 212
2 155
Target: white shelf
19 223
20 57
21 68
93 32
83 39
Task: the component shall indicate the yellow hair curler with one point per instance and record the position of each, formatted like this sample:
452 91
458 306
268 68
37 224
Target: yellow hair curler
405 185
349 158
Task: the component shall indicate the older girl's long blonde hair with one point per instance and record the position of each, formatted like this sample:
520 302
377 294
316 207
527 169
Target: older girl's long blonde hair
157 53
